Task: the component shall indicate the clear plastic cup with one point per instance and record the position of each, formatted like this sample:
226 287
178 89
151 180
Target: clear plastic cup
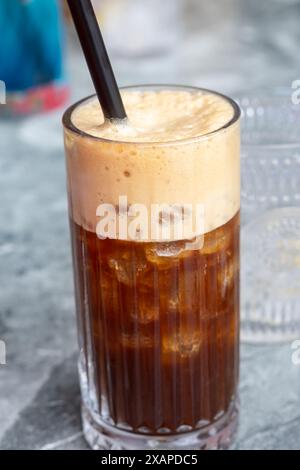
270 196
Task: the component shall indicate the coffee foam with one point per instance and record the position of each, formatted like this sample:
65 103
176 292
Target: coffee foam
160 116
157 158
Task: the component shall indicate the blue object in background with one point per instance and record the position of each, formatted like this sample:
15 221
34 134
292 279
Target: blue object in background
31 43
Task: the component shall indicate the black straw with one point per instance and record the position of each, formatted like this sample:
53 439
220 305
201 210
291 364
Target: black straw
97 58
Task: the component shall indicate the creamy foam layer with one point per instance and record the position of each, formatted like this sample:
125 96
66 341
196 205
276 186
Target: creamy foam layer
152 162
158 116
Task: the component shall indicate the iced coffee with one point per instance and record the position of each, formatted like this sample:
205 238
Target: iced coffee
154 214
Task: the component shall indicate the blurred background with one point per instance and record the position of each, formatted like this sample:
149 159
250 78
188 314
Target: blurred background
228 45
233 46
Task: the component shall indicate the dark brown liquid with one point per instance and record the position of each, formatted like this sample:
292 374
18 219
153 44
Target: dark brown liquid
162 324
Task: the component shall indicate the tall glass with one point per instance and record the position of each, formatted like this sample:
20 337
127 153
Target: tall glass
158 318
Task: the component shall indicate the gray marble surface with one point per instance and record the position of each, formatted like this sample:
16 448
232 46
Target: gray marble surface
229 45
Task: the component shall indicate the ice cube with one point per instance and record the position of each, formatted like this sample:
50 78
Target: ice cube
173 304
183 343
127 268
195 243
137 341
121 270
226 276
147 309
165 255
216 241
180 289
166 250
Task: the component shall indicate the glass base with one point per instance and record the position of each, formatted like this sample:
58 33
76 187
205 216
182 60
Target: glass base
102 436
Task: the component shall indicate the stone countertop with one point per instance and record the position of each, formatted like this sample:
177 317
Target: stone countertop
229 45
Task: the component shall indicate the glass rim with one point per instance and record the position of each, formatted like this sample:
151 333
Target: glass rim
68 124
